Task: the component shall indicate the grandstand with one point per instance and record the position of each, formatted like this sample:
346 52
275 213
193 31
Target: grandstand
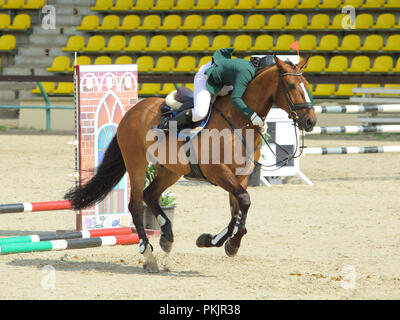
177 36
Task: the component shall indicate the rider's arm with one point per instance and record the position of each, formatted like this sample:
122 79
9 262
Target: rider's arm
239 87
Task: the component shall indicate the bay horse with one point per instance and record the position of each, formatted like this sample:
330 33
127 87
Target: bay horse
281 84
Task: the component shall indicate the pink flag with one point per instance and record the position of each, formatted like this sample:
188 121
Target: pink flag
295 46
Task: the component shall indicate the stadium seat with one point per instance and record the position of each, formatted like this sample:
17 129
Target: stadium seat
263 42
80 60
164 64
220 41
203 5
13 4
123 60
345 90
337 22
323 90
364 21
116 43
373 42
183 5
145 63
315 64
149 89
47 86
74 43
21 22
34 4
95 44
385 21
337 64
330 4
354 3
203 60
391 4
142 5
242 42
102 5
224 4
136 44
307 42
171 22
150 22
283 43
212 22
178 43
102 60
267 4
110 22
157 43
245 5
319 21
129 22
185 64
392 43
297 22
59 64
382 64
163 5
192 22
255 22
233 22
65 88
328 42
373 4
5 21
359 64
308 4
122 5
276 22
199 43
167 88
89 23
287 4
350 42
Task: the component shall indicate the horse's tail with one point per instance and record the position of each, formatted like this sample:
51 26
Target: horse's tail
108 174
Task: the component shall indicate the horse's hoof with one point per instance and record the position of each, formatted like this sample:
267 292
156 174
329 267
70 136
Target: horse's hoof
165 244
151 267
230 250
204 240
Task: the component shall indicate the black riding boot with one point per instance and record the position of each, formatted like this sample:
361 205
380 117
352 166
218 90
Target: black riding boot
182 118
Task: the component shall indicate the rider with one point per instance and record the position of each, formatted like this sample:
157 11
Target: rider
217 78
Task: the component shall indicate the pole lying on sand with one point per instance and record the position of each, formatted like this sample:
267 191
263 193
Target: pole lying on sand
35 206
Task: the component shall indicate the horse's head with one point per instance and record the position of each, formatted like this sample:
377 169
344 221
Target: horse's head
291 94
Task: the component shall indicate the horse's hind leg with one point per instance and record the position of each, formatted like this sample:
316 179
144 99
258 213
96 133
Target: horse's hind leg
151 196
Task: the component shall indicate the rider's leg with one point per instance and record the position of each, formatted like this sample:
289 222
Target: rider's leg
201 96
182 118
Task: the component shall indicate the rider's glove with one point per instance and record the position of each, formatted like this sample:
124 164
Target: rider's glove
256 120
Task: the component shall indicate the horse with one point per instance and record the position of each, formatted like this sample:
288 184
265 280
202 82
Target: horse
282 84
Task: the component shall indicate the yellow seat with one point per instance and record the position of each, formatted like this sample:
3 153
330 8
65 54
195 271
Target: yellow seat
267 4
350 42
59 64
80 60
178 43
246 4
123 60
220 41
337 64
185 64
102 5
242 42
328 42
65 88
150 22
307 42
13 4
373 4
110 22
397 66
95 44
319 21
382 64
102 60
116 43
192 22
315 64
171 22
233 22
287 4
345 90
385 21
21 22
276 22
183 5
130 22
164 64
5 21
163 5
255 22
199 43
203 60
149 89
157 43
323 90
330 4
145 63
373 42
136 44
354 3
212 22
74 43
283 43
88 23
142 5
122 5
34 4
392 43
391 4
337 21
47 86
364 21
224 5
203 5
308 4
263 42
297 22
359 64
167 88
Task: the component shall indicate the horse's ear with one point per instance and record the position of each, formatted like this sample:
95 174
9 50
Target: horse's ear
279 62
303 63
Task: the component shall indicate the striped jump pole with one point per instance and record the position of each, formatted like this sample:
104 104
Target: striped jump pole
68 244
35 206
357 108
355 129
348 150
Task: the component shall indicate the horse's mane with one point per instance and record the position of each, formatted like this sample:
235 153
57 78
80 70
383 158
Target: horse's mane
290 63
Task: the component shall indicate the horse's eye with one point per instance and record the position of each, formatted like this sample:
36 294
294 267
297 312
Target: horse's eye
291 86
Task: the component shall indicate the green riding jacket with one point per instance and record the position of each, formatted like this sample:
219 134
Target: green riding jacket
225 72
